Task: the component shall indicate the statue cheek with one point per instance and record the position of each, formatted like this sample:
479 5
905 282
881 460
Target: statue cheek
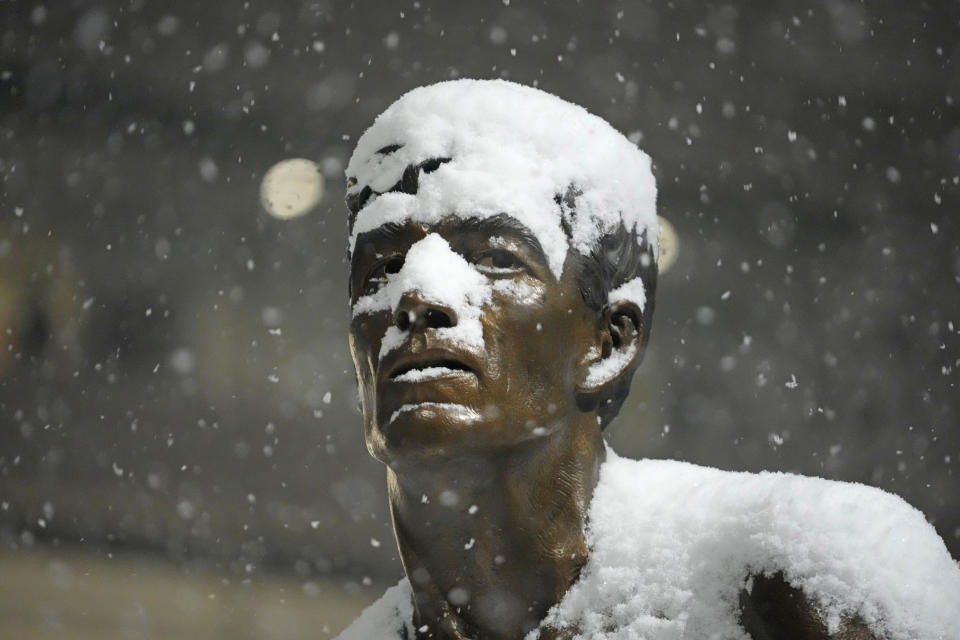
494 331
518 293
366 329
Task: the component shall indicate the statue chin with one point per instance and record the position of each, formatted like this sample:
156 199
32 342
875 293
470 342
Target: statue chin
427 430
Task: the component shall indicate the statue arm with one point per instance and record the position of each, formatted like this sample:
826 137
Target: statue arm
773 610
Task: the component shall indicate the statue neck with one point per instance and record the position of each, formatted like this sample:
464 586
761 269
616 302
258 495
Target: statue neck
490 541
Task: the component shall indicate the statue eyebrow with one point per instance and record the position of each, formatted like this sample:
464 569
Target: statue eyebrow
503 223
500 224
386 232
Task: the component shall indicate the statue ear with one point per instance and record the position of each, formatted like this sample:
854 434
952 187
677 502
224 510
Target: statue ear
618 346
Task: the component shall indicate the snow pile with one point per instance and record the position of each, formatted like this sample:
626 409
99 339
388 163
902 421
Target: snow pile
632 290
608 368
510 149
447 407
389 618
672 544
427 373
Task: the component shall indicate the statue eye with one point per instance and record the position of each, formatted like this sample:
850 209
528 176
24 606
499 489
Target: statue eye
393 265
378 276
499 261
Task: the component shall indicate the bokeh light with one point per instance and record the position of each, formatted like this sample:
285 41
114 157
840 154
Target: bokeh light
291 188
669 245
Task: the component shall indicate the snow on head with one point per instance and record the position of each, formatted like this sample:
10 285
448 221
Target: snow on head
489 147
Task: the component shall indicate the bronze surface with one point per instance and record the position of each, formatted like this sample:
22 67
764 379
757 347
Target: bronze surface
489 508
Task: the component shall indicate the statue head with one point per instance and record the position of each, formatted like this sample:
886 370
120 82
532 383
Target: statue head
503 248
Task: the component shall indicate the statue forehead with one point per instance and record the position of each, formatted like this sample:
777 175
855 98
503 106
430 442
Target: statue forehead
478 149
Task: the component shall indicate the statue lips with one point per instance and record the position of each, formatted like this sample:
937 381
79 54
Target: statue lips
438 374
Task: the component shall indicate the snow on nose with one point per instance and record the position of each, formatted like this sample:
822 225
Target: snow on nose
440 275
437 274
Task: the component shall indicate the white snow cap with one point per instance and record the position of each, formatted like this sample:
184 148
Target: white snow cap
511 149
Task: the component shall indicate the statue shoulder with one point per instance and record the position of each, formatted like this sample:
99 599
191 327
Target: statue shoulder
772 609
689 537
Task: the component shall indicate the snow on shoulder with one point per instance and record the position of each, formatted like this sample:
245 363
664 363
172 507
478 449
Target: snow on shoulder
389 618
486 147
672 544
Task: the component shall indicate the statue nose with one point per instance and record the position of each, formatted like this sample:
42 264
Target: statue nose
414 312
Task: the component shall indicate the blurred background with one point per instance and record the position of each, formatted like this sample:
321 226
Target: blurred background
180 446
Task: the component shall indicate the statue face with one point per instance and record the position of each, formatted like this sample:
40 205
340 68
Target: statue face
463 339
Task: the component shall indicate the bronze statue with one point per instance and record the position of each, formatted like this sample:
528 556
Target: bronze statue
490 358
